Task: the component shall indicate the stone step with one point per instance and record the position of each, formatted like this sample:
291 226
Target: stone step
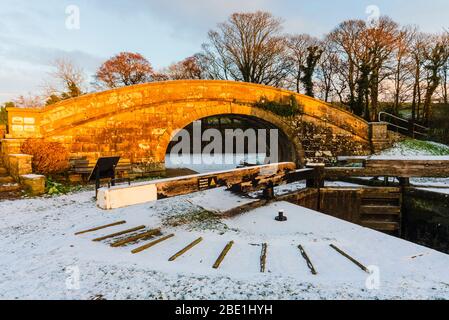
9 187
7 179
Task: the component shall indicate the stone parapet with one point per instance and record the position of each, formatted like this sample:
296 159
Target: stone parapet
24 123
19 164
10 146
379 137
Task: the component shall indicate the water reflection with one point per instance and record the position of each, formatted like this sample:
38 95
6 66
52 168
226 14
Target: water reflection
203 163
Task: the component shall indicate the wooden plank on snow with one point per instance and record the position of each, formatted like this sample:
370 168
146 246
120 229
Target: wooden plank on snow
101 227
223 255
113 235
181 252
151 244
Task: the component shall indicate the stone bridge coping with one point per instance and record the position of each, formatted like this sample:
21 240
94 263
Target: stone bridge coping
91 96
67 114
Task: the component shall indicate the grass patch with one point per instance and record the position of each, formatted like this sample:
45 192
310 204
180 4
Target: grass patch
416 148
427 147
197 220
53 188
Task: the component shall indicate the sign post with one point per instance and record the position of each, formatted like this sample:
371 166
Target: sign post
104 169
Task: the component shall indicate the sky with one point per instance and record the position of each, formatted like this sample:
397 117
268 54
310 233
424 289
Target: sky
33 33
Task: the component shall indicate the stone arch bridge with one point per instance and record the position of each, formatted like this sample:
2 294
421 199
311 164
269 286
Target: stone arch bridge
138 122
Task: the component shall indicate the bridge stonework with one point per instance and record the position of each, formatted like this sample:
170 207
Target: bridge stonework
138 122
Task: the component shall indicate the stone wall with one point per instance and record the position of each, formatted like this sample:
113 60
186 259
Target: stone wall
326 143
2 131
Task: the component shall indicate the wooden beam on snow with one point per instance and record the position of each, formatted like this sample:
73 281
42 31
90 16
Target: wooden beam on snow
144 235
223 255
306 257
100 227
263 257
190 246
347 256
113 235
151 244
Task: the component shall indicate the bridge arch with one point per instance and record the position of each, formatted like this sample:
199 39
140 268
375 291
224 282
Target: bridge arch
138 122
291 150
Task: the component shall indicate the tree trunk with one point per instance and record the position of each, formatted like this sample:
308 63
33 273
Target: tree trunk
427 110
414 103
418 110
397 87
445 97
374 94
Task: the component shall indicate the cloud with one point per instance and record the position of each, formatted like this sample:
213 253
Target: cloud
23 19
22 79
12 49
187 19
33 33
25 67
189 13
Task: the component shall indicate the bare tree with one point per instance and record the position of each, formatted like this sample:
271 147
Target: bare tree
189 68
417 67
365 51
381 41
339 80
66 81
345 42
402 66
327 74
297 46
436 55
28 101
247 47
444 82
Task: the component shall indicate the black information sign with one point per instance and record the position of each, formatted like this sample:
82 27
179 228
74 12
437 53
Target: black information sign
104 169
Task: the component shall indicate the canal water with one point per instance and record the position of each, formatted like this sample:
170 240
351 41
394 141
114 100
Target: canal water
204 163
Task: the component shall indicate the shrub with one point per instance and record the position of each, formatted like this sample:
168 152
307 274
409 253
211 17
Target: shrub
54 188
48 157
3 114
284 109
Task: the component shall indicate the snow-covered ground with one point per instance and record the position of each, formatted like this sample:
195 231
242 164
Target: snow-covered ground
41 258
415 148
